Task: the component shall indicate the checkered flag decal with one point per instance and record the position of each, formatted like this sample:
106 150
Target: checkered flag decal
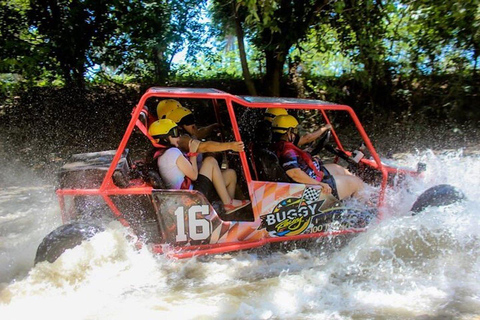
311 194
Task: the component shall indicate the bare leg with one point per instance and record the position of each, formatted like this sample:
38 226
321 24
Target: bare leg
336 169
230 178
211 170
348 185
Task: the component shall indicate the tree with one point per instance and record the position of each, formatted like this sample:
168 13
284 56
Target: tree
277 25
150 33
132 37
229 15
19 59
137 45
12 24
361 27
70 29
447 25
274 26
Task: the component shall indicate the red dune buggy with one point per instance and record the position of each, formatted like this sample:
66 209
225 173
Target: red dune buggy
96 188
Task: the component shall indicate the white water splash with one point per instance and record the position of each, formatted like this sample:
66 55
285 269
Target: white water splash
421 267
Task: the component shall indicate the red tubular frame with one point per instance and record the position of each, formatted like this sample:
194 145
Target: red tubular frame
108 188
201 250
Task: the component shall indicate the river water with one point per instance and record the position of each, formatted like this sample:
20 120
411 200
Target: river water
421 267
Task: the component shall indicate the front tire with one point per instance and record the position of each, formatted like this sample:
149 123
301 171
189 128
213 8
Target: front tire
65 237
440 195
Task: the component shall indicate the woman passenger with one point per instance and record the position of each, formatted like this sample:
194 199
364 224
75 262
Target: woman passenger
180 171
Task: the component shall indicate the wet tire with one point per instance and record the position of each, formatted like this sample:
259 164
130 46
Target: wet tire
65 237
441 195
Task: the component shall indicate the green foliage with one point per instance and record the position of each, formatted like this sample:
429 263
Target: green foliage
97 40
13 42
69 30
210 66
20 61
375 54
447 31
272 26
150 33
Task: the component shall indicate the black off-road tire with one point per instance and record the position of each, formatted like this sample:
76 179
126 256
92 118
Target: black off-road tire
440 195
65 237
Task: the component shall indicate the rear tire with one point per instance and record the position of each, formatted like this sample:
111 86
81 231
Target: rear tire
65 237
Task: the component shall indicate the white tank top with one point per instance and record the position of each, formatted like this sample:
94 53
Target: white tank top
167 165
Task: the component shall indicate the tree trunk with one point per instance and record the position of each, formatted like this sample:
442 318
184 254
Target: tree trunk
243 56
79 76
476 53
273 76
295 76
67 77
161 67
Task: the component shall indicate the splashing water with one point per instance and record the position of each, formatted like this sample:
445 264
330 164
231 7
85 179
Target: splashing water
425 266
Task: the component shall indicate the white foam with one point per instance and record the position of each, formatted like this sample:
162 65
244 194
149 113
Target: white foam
427 266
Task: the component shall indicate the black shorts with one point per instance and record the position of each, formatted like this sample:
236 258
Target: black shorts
330 180
205 186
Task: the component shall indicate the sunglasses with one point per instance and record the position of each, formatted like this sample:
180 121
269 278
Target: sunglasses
188 120
172 133
269 115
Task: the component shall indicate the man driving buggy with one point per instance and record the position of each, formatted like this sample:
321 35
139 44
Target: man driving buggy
301 167
300 140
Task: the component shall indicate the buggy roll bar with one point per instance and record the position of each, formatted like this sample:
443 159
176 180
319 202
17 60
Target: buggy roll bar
108 188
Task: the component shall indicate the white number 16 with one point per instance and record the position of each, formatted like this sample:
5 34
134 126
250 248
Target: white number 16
199 229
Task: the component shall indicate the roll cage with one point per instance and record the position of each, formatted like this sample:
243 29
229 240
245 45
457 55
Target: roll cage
109 189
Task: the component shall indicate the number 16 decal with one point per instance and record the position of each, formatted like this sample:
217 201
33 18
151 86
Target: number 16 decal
199 229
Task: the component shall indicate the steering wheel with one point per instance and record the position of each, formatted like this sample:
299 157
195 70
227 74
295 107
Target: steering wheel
322 142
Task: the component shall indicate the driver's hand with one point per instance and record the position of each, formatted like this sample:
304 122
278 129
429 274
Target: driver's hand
326 189
328 127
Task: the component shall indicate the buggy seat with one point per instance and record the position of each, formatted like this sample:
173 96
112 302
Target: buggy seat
266 166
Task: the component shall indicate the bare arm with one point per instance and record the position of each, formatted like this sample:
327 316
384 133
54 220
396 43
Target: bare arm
187 144
212 146
299 176
189 168
309 137
204 132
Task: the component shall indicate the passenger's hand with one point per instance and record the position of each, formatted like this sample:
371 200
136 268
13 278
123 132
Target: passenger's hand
326 189
237 146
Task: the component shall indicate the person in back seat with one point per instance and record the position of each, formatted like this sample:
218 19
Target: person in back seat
172 109
301 167
166 106
188 142
180 171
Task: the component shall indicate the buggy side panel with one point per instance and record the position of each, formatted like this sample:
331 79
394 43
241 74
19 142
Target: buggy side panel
288 209
139 212
135 211
186 218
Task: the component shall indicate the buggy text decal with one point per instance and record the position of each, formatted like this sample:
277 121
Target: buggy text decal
291 216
